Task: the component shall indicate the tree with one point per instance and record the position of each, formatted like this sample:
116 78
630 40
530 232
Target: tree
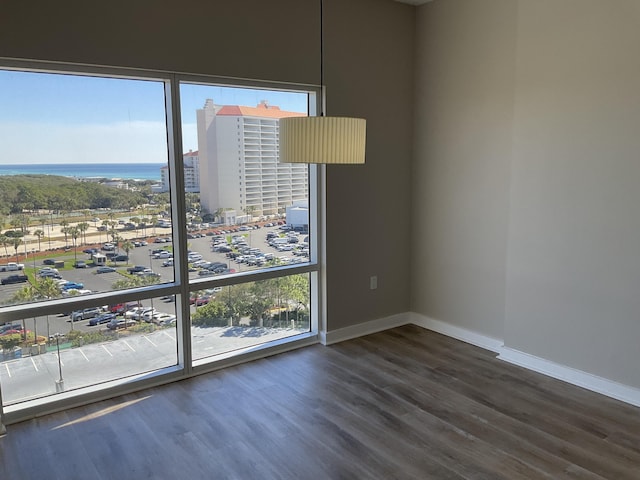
48 288
113 232
10 342
144 221
136 222
127 246
43 222
15 222
134 281
64 224
83 227
43 289
249 210
5 242
24 224
39 233
75 233
293 290
16 243
213 314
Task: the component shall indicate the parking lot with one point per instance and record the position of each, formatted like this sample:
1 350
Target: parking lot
126 353
201 247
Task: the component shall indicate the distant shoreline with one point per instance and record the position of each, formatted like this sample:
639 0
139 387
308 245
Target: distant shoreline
124 171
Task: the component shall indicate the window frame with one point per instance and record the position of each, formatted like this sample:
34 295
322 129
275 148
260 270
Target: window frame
181 286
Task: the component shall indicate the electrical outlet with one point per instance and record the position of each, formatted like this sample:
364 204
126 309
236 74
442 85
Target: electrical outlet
373 282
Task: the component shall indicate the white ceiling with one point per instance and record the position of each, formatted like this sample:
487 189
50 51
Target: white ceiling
414 2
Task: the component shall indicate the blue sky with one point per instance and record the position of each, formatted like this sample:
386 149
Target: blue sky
56 118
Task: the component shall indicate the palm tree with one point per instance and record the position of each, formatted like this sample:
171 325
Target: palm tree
154 220
4 241
39 233
127 246
83 227
24 224
136 222
64 224
144 221
105 223
75 233
43 222
249 209
16 243
113 232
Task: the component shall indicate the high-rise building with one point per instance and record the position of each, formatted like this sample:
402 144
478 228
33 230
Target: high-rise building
238 149
191 173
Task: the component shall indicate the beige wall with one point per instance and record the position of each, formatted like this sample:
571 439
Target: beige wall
574 240
572 253
369 73
463 120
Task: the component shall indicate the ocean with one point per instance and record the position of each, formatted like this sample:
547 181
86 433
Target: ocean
132 171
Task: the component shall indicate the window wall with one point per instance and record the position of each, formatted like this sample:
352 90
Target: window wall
147 229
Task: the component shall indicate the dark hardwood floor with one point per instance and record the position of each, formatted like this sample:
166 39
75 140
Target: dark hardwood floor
406 404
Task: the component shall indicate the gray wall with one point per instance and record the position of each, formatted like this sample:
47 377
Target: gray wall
463 120
568 160
369 72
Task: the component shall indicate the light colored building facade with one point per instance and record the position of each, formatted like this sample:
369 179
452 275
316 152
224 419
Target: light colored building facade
191 173
238 149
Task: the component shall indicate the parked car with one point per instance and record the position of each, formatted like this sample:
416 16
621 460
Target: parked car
123 307
49 272
102 318
80 264
134 312
108 247
69 285
10 326
14 279
164 319
121 258
148 315
105 269
11 267
136 269
85 313
202 300
14 332
49 261
118 323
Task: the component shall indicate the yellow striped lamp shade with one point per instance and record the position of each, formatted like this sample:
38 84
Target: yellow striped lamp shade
322 140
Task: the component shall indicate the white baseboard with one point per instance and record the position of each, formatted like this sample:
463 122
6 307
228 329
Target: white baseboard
366 328
610 388
468 336
580 378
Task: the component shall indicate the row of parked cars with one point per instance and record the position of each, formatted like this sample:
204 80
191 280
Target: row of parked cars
122 316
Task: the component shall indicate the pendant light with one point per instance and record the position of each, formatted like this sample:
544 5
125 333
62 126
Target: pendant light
329 140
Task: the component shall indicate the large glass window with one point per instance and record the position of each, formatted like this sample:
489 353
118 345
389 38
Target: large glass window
130 245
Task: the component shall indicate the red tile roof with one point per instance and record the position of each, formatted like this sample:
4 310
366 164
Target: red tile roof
262 110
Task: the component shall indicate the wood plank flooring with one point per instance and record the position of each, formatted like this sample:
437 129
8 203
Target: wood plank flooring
402 404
